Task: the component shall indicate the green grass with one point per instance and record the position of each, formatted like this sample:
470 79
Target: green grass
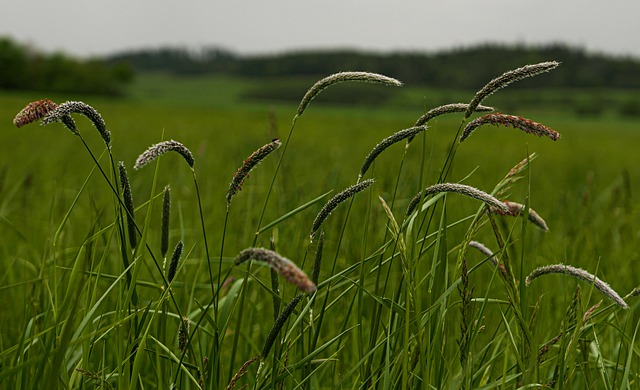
388 308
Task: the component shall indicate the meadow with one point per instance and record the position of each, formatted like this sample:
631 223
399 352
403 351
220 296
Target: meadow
401 302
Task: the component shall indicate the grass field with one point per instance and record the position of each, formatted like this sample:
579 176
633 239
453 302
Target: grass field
394 309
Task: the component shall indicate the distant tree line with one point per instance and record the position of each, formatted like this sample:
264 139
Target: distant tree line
25 69
459 68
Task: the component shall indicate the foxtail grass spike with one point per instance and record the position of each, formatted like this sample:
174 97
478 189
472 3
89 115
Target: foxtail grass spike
183 333
39 109
385 143
516 209
335 202
285 267
157 150
506 79
33 112
67 108
342 77
460 189
247 166
175 259
278 324
448 109
517 122
580 274
166 220
128 204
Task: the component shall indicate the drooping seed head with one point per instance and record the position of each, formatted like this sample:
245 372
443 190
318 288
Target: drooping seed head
457 188
506 79
516 209
175 259
247 166
65 110
334 202
492 258
166 220
447 109
341 77
33 112
157 150
579 274
285 267
128 204
385 143
517 122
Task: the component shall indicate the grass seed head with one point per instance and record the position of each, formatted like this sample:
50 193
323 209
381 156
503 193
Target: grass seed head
334 202
341 77
460 189
157 150
285 267
447 109
516 209
64 111
33 112
385 143
247 166
166 220
580 274
175 259
517 122
506 79
183 333
128 204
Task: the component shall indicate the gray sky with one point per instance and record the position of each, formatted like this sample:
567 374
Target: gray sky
89 27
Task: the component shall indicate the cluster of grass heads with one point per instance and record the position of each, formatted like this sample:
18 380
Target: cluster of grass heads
399 281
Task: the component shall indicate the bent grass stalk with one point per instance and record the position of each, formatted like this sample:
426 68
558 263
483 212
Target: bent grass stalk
342 77
387 142
506 79
457 188
516 209
285 267
517 122
579 274
334 202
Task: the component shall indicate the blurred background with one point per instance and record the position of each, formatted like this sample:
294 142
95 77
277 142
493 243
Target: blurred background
270 52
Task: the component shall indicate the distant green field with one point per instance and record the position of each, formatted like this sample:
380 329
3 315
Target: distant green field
584 185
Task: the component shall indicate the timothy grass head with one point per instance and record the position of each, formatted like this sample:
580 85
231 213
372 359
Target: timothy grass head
157 150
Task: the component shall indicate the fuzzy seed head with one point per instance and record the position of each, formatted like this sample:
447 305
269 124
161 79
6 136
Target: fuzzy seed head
334 202
285 267
175 259
517 122
247 166
506 79
157 150
63 112
341 77
128 204
580 274
33 112
183 333
447 109
460 189
166 220
516 209
387 142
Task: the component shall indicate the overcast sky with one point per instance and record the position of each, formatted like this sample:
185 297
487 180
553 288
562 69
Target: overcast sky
89 27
